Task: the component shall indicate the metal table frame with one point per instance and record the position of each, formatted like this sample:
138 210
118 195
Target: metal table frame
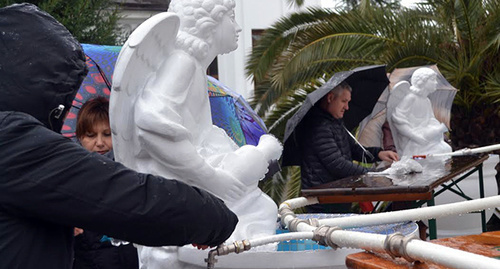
453 187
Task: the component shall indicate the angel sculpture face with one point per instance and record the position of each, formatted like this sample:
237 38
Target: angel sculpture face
431 83
226 35
424 81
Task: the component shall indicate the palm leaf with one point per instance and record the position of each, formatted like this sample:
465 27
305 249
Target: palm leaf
293 186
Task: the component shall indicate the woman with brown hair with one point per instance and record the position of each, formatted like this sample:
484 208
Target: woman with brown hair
94 250
92 126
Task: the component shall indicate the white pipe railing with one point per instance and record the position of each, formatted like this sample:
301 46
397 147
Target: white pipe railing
413 249
280 237
397 245
416 249
467 151
449 257
299 202
431 212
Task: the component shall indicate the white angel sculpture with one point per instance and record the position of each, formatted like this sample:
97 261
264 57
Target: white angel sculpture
161 119
415 129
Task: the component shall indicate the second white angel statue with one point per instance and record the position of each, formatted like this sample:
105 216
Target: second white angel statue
415 129
161 119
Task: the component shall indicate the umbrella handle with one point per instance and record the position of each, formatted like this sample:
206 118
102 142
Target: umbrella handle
372 158
101 72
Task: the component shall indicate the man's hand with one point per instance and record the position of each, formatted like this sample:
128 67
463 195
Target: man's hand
388 156
77 231
203 247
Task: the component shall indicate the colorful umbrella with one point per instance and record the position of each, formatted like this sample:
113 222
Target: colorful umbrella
229 110
100 62
233 114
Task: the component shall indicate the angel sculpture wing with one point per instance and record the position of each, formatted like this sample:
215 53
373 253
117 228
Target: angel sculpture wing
140 58
400 90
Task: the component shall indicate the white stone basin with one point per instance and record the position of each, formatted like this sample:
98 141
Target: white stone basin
317 259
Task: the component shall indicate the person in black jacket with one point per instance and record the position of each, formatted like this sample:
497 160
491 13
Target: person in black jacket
328 149
94 250
49 184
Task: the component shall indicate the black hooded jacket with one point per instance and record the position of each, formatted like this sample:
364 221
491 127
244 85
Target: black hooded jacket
49 184
328 150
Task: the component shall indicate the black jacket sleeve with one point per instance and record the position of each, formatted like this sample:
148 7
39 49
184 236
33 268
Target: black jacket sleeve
49 177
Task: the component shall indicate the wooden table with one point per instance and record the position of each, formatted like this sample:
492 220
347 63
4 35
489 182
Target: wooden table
417 187
486 244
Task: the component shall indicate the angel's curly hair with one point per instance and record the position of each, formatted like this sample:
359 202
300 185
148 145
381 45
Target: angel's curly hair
419 78
199 18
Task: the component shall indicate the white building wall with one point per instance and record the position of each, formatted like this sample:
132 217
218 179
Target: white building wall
251 14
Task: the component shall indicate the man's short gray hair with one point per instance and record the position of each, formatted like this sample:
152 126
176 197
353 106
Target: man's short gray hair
337 90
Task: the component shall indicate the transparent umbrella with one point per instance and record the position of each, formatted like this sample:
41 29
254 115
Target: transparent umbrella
370 131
